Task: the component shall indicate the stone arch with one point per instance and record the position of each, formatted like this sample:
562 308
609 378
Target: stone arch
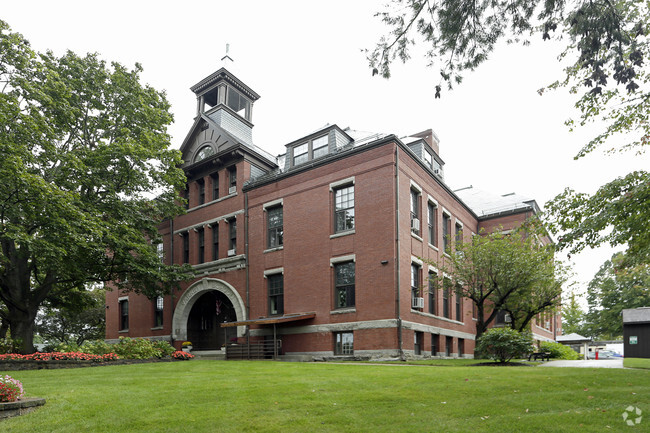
194 292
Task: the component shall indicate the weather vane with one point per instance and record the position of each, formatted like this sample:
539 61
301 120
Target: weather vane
225 59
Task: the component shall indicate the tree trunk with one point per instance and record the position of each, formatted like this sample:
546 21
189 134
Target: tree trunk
21 326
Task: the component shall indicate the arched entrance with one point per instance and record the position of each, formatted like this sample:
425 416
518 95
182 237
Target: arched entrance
203 324
196 314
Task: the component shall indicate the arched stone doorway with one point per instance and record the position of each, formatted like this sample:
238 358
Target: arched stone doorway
196 317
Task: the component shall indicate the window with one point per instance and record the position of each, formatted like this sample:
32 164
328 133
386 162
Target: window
320 146
301 154
185 195
449 344
124 314
432 293
158 312
160 250
446 297
203 153
232 247
215 241
276 294
415 287
446 229
232 180
344 208
459 304
343 343
434 344
201 244
274 222
238 103
415 212
186 247
201 186
428 159
344 284
215 186
459 233
418 342
431 208
461 347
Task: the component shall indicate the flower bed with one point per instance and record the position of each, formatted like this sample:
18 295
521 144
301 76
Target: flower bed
182 356
10 389
59 356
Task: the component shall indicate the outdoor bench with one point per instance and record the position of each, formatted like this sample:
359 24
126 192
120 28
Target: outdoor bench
537 355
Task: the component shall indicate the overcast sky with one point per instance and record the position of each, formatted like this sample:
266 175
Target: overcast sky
305 60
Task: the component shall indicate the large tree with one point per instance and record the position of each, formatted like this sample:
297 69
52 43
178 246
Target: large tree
614 288
86 173
606 47
499 271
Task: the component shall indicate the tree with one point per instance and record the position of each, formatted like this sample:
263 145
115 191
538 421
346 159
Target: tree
504 344
83 150
74 318
607 42
499 271
573 316
614 288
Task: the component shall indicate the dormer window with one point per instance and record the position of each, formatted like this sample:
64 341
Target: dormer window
428 159
310 150
203 153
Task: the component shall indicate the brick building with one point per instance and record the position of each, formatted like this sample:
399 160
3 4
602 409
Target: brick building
318 249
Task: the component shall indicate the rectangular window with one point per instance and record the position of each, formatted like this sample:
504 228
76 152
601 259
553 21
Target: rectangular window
461 347
446 297
343 343
428 159
215 185
418 342
344 284
201 244
434 344
232 247
459 234
274 223
432 293
449 346
415 287
237 102
301 154
201 186
186 247
415 212
320 146
431 208
185 194
344 208
446 232
158 312
276 294
232 179
459 304
124 315
161 252
215 241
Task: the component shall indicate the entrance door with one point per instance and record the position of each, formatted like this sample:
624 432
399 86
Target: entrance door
206 316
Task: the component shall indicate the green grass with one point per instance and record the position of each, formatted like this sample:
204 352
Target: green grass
240 396
636 363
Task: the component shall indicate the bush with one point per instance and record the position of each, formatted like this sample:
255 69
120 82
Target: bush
559 351
164 348
140 348
63 347
10 389
504 344
9 345
97 347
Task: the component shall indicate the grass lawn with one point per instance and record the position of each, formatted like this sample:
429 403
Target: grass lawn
636 363
250 396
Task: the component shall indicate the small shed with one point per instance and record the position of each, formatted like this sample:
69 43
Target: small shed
636 332
575 341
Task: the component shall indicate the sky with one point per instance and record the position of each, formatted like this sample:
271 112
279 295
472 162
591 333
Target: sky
305 60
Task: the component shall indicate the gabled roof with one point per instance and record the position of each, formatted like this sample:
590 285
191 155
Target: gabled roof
200 119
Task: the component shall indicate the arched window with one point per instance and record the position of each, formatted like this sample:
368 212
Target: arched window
203 153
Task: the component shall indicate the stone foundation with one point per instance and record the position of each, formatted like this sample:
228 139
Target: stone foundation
20 407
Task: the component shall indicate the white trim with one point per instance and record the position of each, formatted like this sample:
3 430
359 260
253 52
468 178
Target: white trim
460 223
417 260
122 298
343 233
273 271
273 203
446 212
433 269
212 221
432 200
342 182
342 259
415 186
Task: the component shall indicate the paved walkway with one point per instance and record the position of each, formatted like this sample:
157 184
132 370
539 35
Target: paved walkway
590 363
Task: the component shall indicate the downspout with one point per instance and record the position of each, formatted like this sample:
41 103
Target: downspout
400 349
248 311
171 263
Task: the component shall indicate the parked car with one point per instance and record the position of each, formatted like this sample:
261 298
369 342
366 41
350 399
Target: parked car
604 354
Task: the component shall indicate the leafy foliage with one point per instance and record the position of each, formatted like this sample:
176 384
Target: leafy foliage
511 272
182 356
84 149
614 288
504 344
9 345
140 348
573 316
558 351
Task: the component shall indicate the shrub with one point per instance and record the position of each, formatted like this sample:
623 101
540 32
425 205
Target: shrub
10 389
135 348
9 345
64 347
182 356
558 351
97 347
504 344
164 348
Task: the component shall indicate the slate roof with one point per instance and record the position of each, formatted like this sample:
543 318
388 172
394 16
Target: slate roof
636 315
485 204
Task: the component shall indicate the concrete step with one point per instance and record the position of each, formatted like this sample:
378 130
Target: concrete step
219 355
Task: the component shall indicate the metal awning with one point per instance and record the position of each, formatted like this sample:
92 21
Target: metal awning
271 320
